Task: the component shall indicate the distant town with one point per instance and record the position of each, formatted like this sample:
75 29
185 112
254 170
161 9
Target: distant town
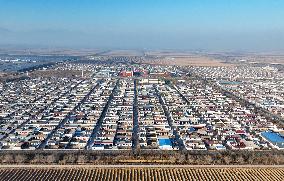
140 103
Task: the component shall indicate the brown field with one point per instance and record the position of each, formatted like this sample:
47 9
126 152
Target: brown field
193 60
59 73
46 73
136 173
184 59
273 59
7 75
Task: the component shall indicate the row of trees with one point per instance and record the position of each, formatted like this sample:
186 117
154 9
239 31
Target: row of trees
162 157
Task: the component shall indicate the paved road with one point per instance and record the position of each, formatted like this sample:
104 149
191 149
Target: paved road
170 120
141 166
93 90
101 118
135 134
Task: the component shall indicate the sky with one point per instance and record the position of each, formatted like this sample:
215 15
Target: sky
215 25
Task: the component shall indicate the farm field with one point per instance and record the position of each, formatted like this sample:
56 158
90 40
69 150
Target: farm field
135 173
185 59
193 61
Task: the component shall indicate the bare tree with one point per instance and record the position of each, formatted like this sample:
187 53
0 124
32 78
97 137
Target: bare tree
226 159
240 159
8 158
50 158
39 158
20 158
70 158
82 159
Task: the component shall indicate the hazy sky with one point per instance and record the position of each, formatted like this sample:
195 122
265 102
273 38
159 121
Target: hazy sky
155 24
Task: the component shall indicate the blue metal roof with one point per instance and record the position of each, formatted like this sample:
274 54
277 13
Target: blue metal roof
191 129
165 141
273 137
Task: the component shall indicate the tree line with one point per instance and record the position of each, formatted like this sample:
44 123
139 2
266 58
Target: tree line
229 157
